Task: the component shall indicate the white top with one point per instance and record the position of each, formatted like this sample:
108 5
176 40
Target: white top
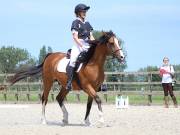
167 78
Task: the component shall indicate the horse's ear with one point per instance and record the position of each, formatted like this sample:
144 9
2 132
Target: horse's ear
111 33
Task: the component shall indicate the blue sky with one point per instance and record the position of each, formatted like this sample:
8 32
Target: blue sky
150 29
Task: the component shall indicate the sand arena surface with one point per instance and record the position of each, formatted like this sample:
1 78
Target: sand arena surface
137 120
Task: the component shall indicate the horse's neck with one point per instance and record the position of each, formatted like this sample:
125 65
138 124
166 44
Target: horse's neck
99 57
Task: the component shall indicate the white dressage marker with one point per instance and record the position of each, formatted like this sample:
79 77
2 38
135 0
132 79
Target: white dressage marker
13 106
122 102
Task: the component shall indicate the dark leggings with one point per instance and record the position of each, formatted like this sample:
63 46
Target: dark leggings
168 87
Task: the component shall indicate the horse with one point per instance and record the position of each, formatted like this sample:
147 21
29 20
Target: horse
91 75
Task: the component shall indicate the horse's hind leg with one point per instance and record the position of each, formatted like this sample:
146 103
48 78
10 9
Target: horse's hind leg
60 98
88 109
47 87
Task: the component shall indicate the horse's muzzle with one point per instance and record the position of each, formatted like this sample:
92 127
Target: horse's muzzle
121 59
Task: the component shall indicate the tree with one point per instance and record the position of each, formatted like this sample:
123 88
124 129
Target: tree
49 50
12 57
176 69
43 52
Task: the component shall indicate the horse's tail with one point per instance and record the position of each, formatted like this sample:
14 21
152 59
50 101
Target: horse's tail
27 72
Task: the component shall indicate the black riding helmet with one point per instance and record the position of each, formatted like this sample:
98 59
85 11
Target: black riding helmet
80 8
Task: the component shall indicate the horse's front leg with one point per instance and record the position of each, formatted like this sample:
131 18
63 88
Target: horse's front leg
60 98
92 93
98 101
88 109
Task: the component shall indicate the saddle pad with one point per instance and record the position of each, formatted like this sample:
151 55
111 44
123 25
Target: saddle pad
62 64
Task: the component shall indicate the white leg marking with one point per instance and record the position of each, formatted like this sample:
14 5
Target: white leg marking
101 118
43 119
65 114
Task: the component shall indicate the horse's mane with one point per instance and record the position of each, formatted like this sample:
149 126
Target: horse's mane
103 39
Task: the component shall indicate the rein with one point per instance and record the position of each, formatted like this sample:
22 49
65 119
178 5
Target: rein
114 53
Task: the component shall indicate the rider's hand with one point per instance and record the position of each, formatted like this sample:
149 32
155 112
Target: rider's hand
82 48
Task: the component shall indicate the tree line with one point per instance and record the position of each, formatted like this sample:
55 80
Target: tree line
13 58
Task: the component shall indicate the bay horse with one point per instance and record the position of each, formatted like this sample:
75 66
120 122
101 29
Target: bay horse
91 75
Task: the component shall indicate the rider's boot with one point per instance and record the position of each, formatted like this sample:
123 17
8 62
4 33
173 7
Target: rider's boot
70 74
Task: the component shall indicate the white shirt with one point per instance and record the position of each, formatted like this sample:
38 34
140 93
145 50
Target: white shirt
167 78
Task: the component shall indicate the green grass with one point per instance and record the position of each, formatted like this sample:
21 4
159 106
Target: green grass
72 98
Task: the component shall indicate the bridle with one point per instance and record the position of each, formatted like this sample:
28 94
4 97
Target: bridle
113 53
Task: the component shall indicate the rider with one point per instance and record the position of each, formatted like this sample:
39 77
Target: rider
81 31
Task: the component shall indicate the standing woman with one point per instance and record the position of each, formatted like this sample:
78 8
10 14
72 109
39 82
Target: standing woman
81 32
167 73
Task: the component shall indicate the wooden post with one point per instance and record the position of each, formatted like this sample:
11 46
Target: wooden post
39 95
28 92
5 94
40 90
78 97
150 90
122 80
149 99
114 87
28 97
17 94
105 96
5 97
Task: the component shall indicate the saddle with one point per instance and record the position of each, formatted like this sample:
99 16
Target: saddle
82 58
63 64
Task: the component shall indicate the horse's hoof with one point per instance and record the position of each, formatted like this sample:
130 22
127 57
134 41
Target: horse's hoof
65 122
101 120
44 122
100 124
87 122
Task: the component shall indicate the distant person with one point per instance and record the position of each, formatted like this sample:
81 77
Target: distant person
167 73
103 87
